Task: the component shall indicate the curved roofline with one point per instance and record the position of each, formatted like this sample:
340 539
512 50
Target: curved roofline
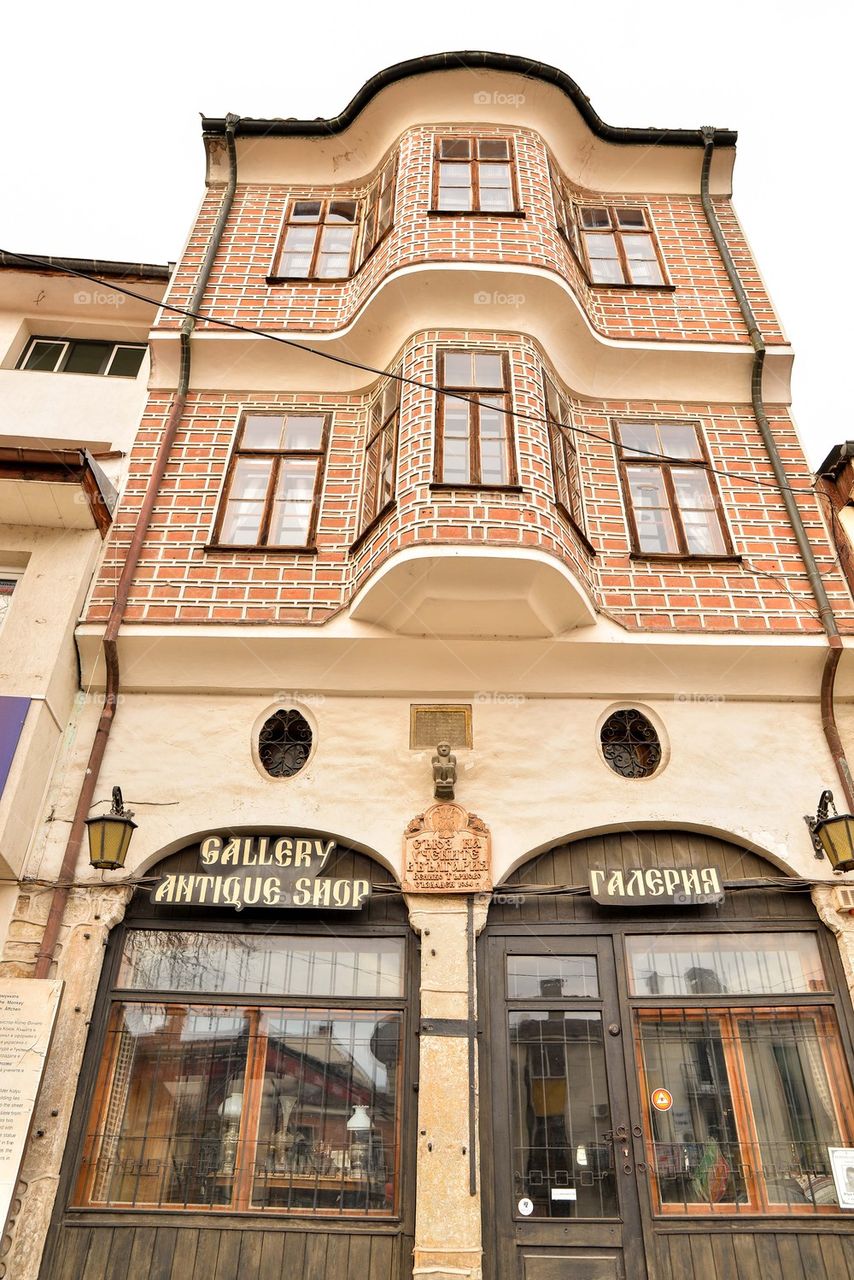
470 60
94 266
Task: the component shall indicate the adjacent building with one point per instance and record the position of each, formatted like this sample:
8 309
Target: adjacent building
469 641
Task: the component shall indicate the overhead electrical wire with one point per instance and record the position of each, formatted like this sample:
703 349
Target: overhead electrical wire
511 412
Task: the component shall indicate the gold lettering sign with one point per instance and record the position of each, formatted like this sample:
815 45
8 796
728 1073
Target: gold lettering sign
254 871
447 850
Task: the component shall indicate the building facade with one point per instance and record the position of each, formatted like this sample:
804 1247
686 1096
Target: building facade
470 642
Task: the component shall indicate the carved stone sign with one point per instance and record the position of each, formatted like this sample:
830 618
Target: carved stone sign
447 850
27 1014
276 871
656 886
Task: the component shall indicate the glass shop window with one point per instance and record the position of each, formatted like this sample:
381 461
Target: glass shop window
277 1090
757 1092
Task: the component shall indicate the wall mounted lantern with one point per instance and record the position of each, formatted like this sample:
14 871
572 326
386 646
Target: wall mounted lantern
832 834
109 835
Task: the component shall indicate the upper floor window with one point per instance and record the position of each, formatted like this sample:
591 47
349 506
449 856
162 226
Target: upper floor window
7 586
272 491
379 207
474 175
619 245
564 454
474 444
380 452
673 504
77 355
564 211
318 240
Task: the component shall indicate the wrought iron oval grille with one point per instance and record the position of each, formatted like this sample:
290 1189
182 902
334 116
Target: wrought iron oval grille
630 744
284 743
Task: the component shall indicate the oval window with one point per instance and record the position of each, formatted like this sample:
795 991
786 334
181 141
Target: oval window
284 743
630 744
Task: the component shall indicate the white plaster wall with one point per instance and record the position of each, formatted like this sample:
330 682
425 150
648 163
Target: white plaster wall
748 770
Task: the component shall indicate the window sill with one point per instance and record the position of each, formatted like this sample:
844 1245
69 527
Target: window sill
443 486
272 550
369 528
273 280
477 213
678 558
647 288
576 529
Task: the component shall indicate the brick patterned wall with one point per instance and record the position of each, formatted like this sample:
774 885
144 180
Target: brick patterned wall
700 308
178 580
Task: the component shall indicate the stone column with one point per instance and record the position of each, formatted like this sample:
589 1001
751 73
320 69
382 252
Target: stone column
840 920
448 1243
90 913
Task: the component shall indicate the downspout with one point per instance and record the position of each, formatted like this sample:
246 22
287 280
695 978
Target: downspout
828 621
44 958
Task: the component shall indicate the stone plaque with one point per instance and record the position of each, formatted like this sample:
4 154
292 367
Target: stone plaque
447 850
27 1014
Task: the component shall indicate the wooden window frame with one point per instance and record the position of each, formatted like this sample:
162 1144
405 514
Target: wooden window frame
277 455
389 423
276 275
475 211
68 343
678 1009
371 205
665 463
472 395
561 440
614 229
565 215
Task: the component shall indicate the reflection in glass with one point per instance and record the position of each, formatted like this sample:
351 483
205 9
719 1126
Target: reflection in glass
531 977
239 1108
696 964
262 964
560 1114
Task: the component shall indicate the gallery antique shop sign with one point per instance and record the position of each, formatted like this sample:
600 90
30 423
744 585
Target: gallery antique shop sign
281 870
656 886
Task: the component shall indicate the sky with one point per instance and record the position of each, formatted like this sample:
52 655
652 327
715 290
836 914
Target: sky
102 151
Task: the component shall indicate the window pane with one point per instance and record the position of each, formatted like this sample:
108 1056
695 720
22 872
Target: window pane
699 515
496 199
261 964
654 522
333 265
250 478
328 1113
455 148
560 1115
550 976
488 371
594 217
164 1131
386 477
493 446
242 523
305 211
458 369
87 357
342 211
300 239
261 431
296 265
455 186
791 1098
303 431
695 964
493 149
606 271
44 356
679 440
630 217
643 263
372 466
696 1157
126 362
456 450
7 586
337 239
293 503
639 437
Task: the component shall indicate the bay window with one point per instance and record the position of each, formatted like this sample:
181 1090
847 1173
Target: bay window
474 441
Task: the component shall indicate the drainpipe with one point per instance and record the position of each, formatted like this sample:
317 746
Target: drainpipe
828 621
44 958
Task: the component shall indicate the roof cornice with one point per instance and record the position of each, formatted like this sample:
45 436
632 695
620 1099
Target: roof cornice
469 60
93 266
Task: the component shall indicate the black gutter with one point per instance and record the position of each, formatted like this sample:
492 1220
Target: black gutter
94 266
835 460
471 60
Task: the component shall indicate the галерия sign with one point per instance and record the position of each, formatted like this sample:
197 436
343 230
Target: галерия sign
656 886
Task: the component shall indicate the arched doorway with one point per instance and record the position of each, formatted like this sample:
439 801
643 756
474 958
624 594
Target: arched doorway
246 1100
666 1083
